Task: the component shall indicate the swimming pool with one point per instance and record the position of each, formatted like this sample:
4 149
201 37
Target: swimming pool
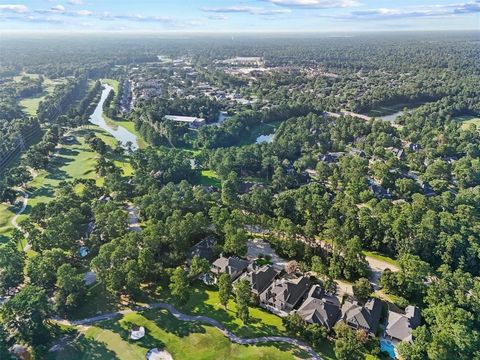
388 347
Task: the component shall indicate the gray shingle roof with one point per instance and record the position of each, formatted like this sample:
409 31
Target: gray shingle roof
286 292
318 311
230 265
366 317
400 326
261 278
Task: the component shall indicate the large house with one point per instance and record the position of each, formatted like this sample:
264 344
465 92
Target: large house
400 326
284 294
205 249
320 308
365 317
232 266
260 278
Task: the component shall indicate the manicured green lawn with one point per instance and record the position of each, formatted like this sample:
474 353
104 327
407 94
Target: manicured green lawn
185 341
113 83
468 120
30 104
209 177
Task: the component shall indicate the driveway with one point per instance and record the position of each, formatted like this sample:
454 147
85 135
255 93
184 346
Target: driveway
133 220
257 247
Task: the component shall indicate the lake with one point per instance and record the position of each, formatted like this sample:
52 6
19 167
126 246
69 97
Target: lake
118 132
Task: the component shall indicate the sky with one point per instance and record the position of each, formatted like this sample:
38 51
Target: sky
238 15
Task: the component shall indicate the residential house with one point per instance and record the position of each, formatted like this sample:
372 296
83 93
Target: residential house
232 266
320 308
378 190
260 278
285 294
247 186
358 152
400 326
398 153
332 157
365 317
206 249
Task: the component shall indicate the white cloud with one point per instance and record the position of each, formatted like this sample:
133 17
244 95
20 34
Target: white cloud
445 10
217 17
84 13
19 9
76 2
246 10
58 9
315 4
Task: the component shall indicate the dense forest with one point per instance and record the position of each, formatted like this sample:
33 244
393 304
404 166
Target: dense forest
336 182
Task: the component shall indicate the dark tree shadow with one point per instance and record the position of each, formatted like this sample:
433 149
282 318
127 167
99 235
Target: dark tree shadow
83 348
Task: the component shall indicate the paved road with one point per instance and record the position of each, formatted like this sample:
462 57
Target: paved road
197 318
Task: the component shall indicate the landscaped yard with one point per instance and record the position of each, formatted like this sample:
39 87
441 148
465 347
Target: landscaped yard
185 341
209 177
203 301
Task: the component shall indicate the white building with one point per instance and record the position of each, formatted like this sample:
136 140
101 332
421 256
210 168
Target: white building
193 122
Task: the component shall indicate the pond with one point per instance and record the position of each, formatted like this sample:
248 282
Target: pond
118 132
264 139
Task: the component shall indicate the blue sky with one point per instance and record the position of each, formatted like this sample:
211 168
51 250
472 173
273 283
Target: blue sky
238 15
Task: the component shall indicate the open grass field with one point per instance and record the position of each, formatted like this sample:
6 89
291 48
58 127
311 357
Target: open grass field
391 109
467 121
209 177
185 341
30 104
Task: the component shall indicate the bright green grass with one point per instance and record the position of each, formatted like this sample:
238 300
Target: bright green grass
113 83
6 227
209 177
30 104
185 341
469 120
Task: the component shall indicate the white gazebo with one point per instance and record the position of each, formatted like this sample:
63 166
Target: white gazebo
137 333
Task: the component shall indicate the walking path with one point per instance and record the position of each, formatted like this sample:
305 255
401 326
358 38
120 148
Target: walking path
197 318
22 209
